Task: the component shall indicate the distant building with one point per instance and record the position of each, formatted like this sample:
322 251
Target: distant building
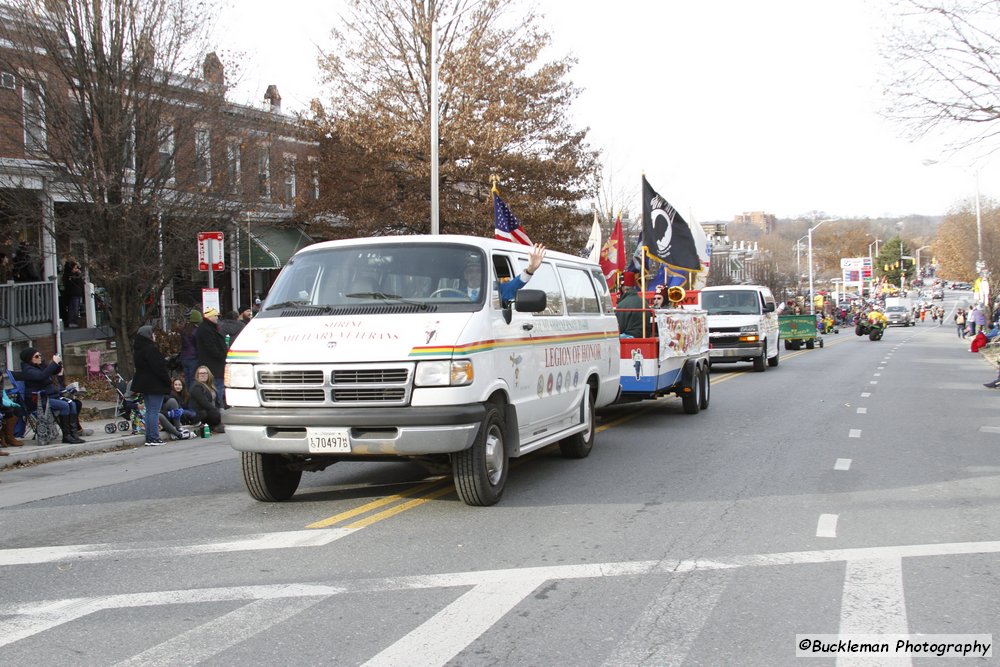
759 219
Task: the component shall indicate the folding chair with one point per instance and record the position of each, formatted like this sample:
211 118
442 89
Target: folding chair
38 416
93 363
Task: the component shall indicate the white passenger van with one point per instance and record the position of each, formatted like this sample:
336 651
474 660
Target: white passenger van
378 349
742 325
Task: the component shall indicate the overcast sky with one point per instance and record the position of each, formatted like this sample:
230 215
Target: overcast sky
727 106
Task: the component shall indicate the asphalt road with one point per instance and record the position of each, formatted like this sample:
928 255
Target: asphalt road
853 489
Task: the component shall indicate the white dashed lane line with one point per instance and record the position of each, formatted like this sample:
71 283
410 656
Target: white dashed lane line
827 525
842 464
866 394
854 433
862 411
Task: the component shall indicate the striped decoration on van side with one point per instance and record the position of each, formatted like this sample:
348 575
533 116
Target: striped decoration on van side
487 345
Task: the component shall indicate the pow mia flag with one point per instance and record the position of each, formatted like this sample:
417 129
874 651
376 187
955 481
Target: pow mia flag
667 235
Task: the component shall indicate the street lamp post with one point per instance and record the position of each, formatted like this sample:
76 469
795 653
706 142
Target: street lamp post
812 306
980 264
918 258
871 262
798 266
435 176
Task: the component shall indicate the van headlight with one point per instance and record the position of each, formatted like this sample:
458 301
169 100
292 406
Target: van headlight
239 376
749 334
444 373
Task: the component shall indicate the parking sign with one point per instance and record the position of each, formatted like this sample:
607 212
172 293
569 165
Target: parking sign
210 247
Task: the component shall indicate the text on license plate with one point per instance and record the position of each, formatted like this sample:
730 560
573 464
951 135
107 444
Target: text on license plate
328 440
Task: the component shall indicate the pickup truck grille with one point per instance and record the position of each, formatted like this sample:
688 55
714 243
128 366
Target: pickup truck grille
334 385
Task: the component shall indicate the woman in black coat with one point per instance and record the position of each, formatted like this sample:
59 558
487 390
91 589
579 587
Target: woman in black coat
152 380
203 399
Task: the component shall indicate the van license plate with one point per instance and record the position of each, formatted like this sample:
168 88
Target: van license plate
328 440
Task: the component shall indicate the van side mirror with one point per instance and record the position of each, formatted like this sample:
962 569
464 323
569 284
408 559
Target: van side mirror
525 301
769 307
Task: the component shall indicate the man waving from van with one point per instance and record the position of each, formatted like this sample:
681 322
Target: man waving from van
508 290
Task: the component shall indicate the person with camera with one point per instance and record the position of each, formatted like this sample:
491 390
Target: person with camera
42 379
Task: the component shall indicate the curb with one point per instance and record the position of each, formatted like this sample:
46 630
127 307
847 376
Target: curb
38 453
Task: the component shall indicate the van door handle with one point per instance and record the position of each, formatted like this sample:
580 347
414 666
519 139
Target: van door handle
528 326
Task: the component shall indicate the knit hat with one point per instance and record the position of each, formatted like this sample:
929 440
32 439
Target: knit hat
27 353
146 332
195 316
211 312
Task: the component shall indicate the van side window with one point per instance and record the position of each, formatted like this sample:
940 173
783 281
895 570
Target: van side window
545 280
602 290
581 299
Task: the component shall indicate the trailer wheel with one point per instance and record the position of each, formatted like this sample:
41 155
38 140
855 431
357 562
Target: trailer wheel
268 477
578 445
706 390
480 472
691 400
810 344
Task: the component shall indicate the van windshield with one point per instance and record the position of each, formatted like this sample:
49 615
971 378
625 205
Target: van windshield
448 276
730 302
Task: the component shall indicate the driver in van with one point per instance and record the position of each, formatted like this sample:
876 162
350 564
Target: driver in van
473 275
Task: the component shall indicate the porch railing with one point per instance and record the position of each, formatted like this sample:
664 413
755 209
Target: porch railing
26 310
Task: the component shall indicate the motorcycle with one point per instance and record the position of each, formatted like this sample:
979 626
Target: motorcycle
865 327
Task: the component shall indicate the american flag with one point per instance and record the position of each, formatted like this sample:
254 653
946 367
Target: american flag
508 227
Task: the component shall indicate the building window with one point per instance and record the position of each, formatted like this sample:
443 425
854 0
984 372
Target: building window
314 176
203 156
35 136
233 166
264 172
289 179
165 154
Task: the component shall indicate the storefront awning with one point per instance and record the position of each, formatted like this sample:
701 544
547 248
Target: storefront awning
270 247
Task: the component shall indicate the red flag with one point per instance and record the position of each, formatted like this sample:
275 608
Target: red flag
613 253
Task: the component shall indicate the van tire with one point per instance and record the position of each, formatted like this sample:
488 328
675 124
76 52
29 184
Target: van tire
480 472
760 363
578 445
706 389
691 400
268 477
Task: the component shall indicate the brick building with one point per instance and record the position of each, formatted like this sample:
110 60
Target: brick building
759 219
248 172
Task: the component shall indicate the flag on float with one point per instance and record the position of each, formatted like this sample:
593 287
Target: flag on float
613 253
506 225
668 237
593 249
635 264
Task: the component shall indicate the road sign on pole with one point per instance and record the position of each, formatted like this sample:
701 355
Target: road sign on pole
211 251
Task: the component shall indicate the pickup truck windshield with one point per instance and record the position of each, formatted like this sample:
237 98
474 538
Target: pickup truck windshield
731 302
447 276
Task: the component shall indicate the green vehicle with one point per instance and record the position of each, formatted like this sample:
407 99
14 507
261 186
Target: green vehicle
798 330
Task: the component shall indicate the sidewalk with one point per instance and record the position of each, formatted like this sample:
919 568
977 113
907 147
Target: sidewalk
100 441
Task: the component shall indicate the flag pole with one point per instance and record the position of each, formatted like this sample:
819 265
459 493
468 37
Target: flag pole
643 274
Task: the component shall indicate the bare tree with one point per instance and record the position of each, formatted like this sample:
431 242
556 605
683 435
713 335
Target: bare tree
503 112
113 96
943 59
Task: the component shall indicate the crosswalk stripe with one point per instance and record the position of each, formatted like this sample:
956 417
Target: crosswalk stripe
873 602
214 637
448 632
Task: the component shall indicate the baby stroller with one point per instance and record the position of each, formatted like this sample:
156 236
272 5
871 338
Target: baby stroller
38 417
129 409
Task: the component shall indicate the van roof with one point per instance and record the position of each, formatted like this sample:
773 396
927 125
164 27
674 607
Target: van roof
749 288
487 244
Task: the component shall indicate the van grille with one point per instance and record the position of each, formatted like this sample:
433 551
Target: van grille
331 385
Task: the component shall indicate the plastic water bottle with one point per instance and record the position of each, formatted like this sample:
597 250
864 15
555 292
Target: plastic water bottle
205 431
227 341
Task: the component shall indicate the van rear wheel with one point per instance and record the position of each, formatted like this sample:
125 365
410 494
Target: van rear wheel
480 472
268 477
578 445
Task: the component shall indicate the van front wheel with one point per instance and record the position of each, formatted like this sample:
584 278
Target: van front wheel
480 472
268 477
578 445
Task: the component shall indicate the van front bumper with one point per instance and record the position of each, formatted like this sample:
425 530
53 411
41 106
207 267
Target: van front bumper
401 431
741 352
